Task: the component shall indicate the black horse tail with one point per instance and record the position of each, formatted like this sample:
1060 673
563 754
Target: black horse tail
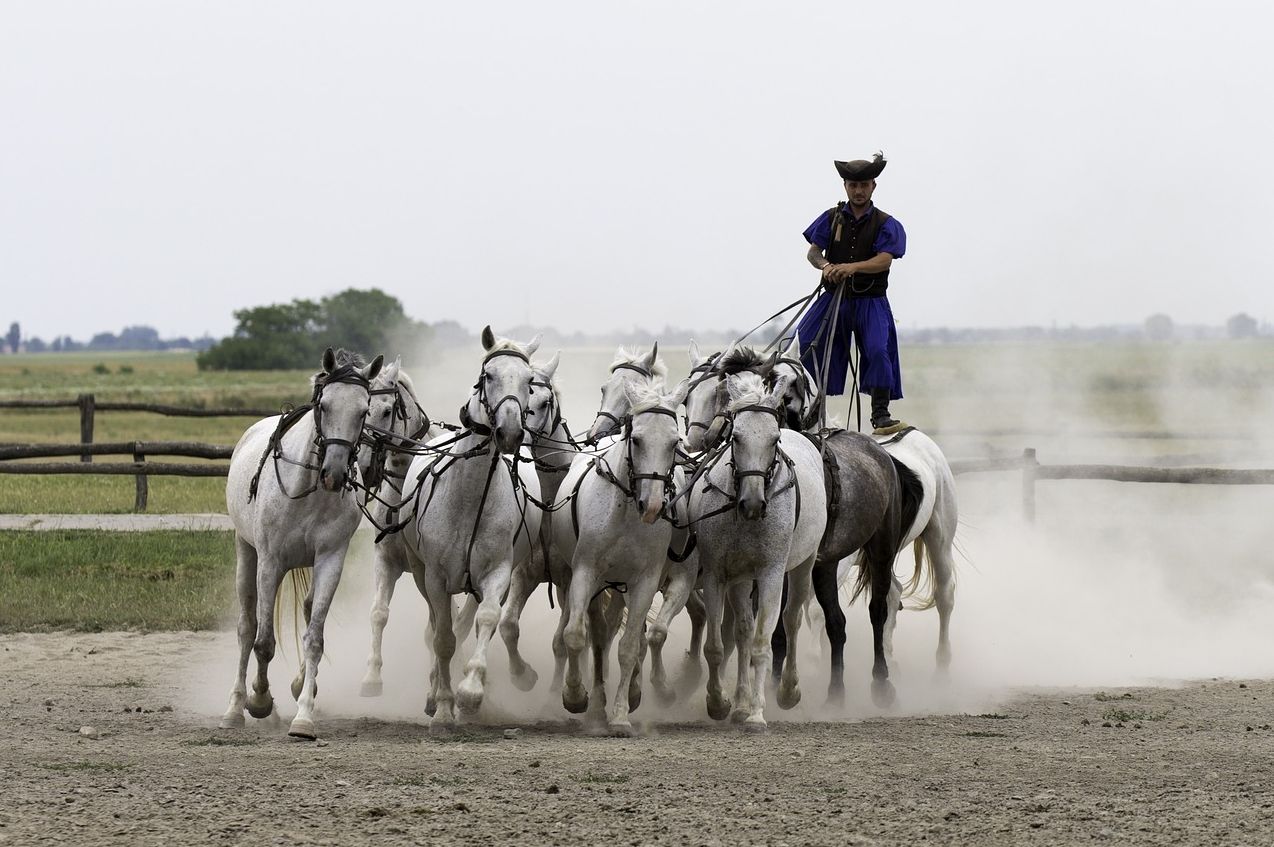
910 495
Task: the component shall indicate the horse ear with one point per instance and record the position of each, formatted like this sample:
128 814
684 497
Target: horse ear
374 368
695 358
651 357
793 350
775 397
550 367
329 360
389 373
488 337
733 392
679 393
534 344
767 367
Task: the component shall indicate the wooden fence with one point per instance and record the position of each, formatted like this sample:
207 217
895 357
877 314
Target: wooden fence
1033 471
89 407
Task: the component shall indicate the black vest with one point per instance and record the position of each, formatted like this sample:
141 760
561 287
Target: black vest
851 241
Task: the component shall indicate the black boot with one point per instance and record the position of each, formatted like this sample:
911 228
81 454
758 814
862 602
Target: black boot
880 417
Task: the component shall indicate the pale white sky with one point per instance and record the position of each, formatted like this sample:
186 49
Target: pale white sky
600 165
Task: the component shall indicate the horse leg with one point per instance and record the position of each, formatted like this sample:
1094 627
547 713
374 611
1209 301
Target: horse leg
246 585
444 717
778 640
827 593
260 702
943 564
575 639
520 587
739 595
465 616
327 575
880 560
559 640
493 586
676 594
713 649
727 628
691 668
604 614
385 574
769 595
307 609
798 595
637 600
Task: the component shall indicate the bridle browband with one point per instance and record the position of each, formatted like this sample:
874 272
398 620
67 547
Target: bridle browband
620 366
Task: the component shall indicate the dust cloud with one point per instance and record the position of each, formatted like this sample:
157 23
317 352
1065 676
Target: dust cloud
1113 584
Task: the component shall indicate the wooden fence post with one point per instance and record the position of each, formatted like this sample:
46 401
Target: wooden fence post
87 404
1029 465
139 505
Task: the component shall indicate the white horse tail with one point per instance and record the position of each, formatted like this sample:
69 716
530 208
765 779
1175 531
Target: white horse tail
921 578
298 581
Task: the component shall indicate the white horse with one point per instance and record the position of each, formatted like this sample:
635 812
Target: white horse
552 451
472 519
395 421
288 498
759 508
610 528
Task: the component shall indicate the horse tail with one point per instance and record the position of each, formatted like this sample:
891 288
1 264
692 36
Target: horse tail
921 577
298 582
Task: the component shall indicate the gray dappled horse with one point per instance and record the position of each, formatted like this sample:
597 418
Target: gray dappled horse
288 496
759 509
469 523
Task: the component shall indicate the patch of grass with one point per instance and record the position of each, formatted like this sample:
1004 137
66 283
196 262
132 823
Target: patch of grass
1131 715
86 766
95 581
602 778
983 734
219 741
1103 697
992 716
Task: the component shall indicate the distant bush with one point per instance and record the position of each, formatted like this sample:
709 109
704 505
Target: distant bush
126 369
100 368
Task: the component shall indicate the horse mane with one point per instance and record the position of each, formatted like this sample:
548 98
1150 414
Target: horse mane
751 390
740 359
648 395
624 356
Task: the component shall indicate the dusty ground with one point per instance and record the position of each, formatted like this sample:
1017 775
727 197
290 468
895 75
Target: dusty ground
1188 765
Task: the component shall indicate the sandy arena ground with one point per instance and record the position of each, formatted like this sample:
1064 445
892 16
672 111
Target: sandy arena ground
1194 766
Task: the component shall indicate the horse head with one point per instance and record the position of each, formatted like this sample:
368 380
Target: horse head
628 368
651 436
755 423
500 397
800 401
341 397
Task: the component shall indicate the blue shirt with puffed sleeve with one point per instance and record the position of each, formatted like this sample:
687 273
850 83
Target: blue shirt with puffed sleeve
891 239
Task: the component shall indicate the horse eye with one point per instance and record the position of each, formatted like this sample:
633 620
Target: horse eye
384 413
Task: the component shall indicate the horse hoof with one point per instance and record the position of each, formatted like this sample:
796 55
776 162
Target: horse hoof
575 700
718 708
526 680
232 720
788 698
469 697
756 723
372 689
622 729
739 715
260 707
431 706
302 728
691 674
664 695
882 693
440 728
836 697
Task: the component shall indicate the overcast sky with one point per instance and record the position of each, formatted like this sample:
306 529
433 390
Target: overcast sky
604 165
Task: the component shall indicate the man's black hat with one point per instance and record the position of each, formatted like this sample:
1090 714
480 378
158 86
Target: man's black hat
861 170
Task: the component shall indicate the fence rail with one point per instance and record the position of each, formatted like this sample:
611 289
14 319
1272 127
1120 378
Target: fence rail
89 407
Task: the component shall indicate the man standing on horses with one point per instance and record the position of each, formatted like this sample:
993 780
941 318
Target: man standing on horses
854 244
